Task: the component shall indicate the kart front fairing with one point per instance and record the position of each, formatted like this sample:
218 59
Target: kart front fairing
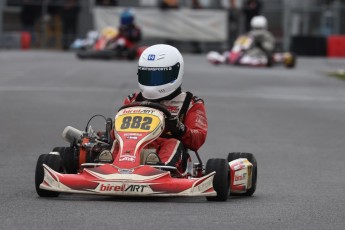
135 127
241 45
140 181
244 52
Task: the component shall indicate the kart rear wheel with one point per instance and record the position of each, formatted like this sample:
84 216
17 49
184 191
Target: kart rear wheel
270 61
250 157
54 162
81 55
221 180
132 54
69 158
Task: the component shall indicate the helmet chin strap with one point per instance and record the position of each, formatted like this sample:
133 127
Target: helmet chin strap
169 97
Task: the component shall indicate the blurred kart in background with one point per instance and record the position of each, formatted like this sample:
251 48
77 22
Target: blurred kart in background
240 54
85 43
88 166
106 45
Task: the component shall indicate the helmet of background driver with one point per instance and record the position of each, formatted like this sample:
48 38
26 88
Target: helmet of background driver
258 22
127 17
160 71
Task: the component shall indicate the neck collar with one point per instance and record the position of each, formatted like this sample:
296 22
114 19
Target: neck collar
169 97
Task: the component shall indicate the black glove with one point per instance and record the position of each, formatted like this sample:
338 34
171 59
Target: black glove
174 128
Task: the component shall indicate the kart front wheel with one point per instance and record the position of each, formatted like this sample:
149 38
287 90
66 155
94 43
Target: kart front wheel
69 158
132 54
221 180
250 157
54 162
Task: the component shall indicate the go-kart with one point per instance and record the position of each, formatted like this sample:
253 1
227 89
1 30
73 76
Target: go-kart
107 52
82 167
85 43
107 45
242 54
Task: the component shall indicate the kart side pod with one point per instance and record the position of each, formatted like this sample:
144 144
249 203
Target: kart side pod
241 174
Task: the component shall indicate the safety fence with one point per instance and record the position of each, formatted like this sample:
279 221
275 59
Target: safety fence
310 27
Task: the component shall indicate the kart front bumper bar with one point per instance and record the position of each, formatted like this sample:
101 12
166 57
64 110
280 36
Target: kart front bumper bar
140 181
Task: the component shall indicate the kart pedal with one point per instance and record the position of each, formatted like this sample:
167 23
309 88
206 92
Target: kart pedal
152 159
105 157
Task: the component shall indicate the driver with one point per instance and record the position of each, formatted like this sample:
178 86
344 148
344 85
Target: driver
129 33
263 46
264 41
160 74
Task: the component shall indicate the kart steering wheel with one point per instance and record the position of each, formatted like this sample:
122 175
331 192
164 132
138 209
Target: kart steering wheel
152 105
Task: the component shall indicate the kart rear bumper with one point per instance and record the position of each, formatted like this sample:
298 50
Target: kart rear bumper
141 181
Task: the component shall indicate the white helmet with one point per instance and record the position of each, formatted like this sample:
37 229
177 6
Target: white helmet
160 71
258 22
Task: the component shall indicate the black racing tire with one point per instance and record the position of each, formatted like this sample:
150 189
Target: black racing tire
221 180
81 55
132 54
270 61
251 158
55 163
70 159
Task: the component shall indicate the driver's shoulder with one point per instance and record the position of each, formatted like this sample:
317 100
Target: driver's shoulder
196 99
132 97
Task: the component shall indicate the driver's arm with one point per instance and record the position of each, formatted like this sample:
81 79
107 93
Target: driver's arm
196 126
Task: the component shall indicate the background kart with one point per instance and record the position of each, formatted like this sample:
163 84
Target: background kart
87 166
106 45
240 55
106 54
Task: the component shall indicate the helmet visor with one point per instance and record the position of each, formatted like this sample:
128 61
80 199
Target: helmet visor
155 76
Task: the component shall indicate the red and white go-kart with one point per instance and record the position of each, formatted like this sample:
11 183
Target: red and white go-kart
77 169
241 55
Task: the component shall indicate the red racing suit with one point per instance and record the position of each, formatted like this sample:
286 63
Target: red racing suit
195 121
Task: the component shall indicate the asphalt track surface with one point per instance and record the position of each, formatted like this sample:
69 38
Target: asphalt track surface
292 120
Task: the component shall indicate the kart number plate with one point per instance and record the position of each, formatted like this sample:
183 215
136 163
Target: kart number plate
243 41
136 123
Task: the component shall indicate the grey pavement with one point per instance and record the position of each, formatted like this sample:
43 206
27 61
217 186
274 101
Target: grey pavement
293 120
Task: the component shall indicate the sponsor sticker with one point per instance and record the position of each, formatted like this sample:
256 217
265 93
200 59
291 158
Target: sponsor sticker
132 111
154 68
201 121
48 178
133 134
205 185
240 177
151 57
172 108
127 158
126 171
123 188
